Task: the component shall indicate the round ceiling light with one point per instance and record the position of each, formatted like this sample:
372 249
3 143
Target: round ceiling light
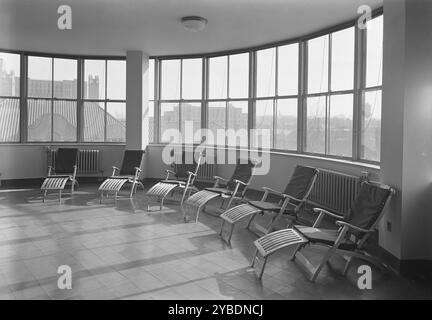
193 23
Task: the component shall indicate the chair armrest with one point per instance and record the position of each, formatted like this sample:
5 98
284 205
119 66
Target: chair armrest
321 215
333 215
168 172
115 168
220 178
137 169
241 182
287 196
270 190
346 224
217 179
191 173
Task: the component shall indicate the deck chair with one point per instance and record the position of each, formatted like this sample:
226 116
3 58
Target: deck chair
228 189
291 200
64 170
347 240
181 177
128 173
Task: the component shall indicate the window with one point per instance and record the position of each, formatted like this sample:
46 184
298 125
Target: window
370 137
266 71
148 119
228 100
286 124
330 94
288 70
276 102
9 97
52 99
318 50
181 94
104 108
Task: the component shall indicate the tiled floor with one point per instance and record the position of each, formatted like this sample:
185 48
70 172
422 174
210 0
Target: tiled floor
120 251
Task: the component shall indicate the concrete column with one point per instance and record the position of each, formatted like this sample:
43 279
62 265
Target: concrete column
406 150
137 100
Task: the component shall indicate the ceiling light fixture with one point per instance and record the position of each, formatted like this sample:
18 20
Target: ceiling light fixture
193 23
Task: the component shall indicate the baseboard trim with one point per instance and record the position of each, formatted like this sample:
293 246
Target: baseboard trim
37 182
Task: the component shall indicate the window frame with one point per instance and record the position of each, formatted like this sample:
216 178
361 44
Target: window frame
104 101
357 91
21 135
180 101
23 97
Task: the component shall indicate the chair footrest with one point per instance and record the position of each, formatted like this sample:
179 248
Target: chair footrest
239 212
277 240
113 184
161 190
55 183
196 201
201 198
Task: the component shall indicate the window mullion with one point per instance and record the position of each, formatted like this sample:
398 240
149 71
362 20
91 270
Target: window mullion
52 99
79 93
106 101
23 99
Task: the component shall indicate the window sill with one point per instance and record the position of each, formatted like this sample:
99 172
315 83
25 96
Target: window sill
365 165
46 144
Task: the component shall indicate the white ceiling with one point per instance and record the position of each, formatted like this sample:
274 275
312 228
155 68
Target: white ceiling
110 27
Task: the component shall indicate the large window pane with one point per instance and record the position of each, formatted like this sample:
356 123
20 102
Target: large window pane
238 121
169 120
316 124
94 79
116 122
371 126
341 125
192 79
374 52
9 120
342 57
264 122
288 70
39 120
9 74
218 77
239 75
190 121
170 79
64 121
116 79
318 64
65 78
266 66
150 122
39 77
216 120
151 78
94 121
286 124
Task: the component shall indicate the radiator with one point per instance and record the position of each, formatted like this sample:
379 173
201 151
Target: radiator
335 191
206 172
88 160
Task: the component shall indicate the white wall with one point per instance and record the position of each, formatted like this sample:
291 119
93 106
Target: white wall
29 161
406 149
281 167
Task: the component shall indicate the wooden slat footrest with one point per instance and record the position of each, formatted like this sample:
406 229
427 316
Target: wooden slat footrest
271 243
